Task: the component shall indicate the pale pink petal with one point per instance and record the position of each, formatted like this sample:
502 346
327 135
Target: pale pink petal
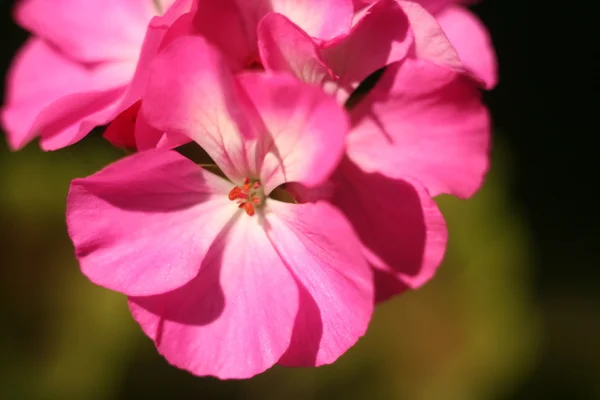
41 77
305 130
424 122
90 30
321 19
472 41
318 245
379 38
284 47
201 101
430 42
144 224
236 318
400 226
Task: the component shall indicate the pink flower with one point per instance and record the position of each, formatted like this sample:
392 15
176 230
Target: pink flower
231 25
388 31
226 280
421 131
466 33
77 71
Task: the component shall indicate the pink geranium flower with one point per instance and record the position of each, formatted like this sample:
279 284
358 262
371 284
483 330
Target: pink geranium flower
226 280
77 70
467 34
421 131
231 26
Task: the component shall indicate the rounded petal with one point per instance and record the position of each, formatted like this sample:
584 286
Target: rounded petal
423 122
143 225
91 30
321 250
401 228
284 47
235 319
321 19
268 127
43 85
430 42
201 101
305 130
383 33
472 41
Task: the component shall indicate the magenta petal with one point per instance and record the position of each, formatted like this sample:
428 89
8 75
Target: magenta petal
91 30
472 42
400 226
319 247
69 119
430 42
284 47
201 101
235 319
31 91
304 130
423 122
435 6
225 25
383 34
142 225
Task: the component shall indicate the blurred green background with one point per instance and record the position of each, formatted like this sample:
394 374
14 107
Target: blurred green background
512 314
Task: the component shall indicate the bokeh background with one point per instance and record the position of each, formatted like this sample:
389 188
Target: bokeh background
514 312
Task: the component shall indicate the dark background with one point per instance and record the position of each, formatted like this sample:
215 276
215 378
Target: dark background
538 204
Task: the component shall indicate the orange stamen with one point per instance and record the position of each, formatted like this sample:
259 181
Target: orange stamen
249 208
235 193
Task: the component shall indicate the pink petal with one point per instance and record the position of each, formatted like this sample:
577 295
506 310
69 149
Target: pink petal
264 126
321 19
319 247
305 130
430 42
424 122
91 30
400 226
143 225
201 101
72 117
121 131
235 319
383 33
33 90
135 131
284 47
471 40
435 6
225 25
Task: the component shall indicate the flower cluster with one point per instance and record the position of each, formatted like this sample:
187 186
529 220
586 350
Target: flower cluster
327 128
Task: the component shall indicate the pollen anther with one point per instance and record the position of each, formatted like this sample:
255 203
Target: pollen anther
248 196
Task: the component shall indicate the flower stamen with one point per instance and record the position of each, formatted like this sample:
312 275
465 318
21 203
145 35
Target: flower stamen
248 196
